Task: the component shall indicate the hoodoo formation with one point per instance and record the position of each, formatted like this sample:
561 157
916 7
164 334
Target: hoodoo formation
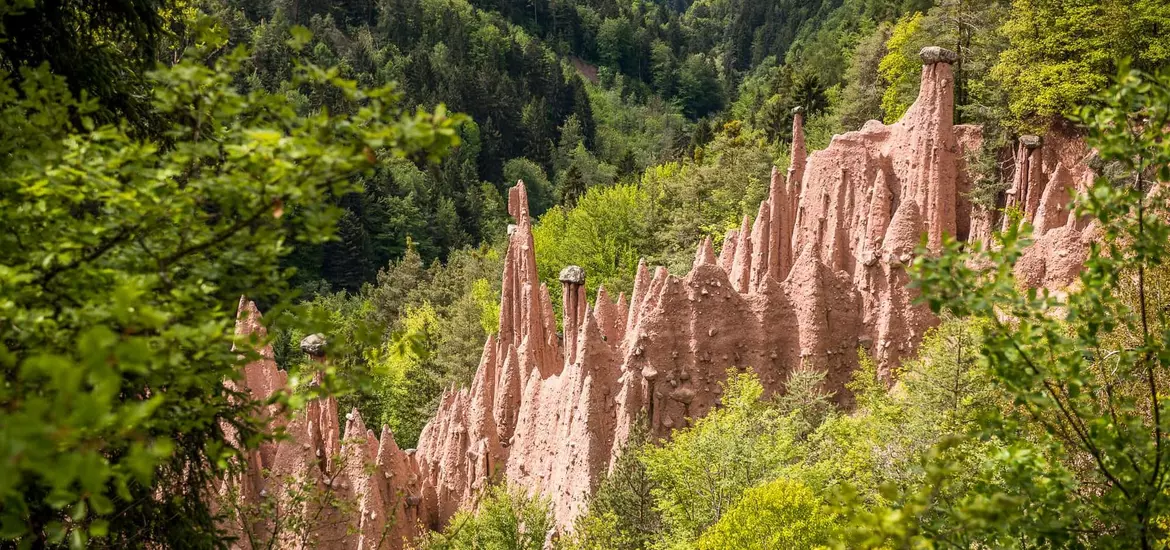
818 273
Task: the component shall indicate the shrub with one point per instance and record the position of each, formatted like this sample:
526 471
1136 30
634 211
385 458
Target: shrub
702 471
781 514
506 519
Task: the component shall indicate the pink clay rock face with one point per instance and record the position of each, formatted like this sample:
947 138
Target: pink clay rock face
1050 171
819 272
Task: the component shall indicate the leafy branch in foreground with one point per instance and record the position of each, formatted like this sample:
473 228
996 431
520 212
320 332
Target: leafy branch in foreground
1085 457
121 262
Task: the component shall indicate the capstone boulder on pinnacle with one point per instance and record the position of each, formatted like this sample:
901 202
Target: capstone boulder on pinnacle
574 274
934 54
314 345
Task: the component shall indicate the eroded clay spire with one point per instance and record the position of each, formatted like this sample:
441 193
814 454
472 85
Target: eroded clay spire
741 266
779 228
799 154
572 283
727 252
641 283
1034 188
761 239
1052 211
705 253
880 205
932 180
606 314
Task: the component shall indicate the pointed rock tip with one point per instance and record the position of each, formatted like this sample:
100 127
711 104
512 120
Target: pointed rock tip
245 305
353 422
518 201
808 264
904 231
706 252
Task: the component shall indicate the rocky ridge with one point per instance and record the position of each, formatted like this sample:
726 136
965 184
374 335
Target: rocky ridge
819 272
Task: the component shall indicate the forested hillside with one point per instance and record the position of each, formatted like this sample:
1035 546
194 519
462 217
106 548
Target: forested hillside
346 163
641 129
576 95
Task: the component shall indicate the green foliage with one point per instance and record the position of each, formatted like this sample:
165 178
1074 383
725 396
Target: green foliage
1064 52
417 331
703 470
541 195
102 48
438 51
601 531
1084 372
878 445
864 90
405 386
699 89
805 401
709 194
780 514
945 382
651 131
900 68
605 233
616 45
488 305
988 181
769 95
121 268
582 172
506 519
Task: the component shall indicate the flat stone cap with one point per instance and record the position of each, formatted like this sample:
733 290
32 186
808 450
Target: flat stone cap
934 54
574 274
797 110
1031 141
314 345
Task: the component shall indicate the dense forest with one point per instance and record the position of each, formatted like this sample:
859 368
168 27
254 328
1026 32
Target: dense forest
345 164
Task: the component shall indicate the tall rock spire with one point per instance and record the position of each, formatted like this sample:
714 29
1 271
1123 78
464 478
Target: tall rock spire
782 211
799 154
931 178
727 251
1034 178
761 247
523 306
741 264
705 254
572 297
